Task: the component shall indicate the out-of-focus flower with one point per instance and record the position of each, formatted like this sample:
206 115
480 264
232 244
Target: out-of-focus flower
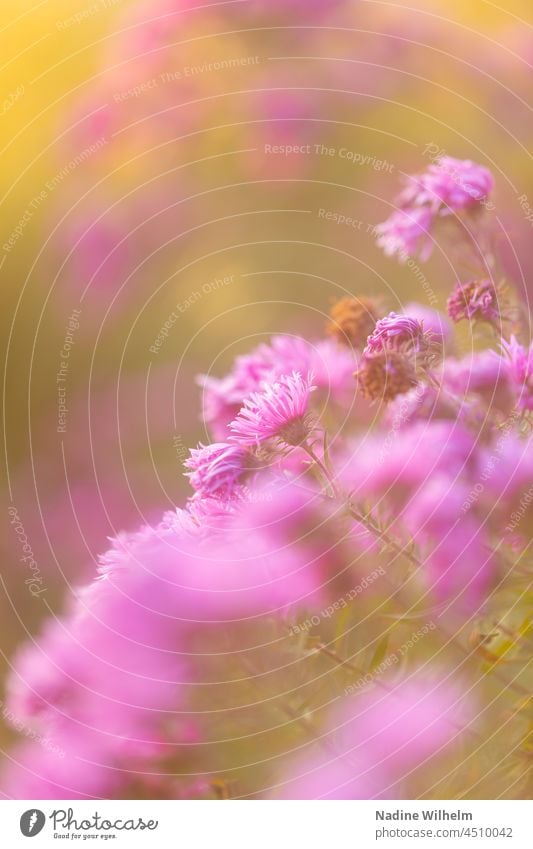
407 232
433 321
280 411
215 470
458 564
422 403
352 321
385 375
374 740
521 364
447 187
483 374
331 366
477 300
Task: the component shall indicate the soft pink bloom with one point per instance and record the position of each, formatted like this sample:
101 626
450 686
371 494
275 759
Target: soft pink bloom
477 300
280 410
521 364
387 471
458 564
215 470
483 374
509 485
375 739
107 679
422 403
407 232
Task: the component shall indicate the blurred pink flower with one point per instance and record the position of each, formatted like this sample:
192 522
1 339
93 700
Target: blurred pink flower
397 332
521 365
214 470
374 740
407 233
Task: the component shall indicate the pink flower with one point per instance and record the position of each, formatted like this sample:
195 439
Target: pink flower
477 300
483 374
449 185
280 410
458 563
214 470
406 233
422 403
432 320
375 739
521 363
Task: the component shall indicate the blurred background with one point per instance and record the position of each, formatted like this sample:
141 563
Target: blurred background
180 180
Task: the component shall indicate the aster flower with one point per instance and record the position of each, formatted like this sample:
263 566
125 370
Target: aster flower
521 364
352 321
422 403
477 300
374 740
331 365
215 470
384 375
406 232
280 410
432 320
449 186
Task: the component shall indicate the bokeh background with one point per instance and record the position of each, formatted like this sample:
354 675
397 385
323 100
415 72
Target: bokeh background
154 224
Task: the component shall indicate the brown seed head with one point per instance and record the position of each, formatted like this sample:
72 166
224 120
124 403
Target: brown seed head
385 375
352 321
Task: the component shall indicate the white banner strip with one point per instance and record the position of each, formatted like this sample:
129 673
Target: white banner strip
268 825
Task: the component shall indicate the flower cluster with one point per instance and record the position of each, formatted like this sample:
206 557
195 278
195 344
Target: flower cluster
447 188
294 503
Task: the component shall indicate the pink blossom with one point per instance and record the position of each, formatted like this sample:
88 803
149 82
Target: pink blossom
521 364
457 561
406 233
432 320
374 740
214 470
280 410
483 374
396 333
449 185
331 366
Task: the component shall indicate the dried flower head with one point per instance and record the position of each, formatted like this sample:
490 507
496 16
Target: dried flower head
352 321
385 375
476 300
279 411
